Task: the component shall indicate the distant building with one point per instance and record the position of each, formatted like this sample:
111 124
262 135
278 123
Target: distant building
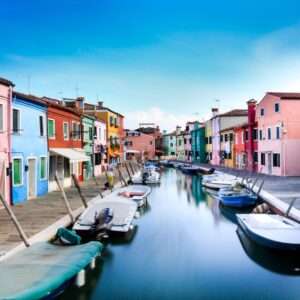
198 143
100 150
190 126
278 116
227 149
6 88
208 140
29 147
169 145
139 145
180 149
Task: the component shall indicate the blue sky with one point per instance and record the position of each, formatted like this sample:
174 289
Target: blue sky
162 61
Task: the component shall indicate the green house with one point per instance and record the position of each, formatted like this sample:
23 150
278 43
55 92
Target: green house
198 144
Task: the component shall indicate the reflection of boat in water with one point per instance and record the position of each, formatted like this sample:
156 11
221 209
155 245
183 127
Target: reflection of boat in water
230 212
283 262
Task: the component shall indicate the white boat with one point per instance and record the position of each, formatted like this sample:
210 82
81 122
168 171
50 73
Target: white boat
123 210
146 176
271 230
137 193
217 183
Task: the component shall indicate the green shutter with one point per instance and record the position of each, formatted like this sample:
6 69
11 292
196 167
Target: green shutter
17 171
43 168
50 128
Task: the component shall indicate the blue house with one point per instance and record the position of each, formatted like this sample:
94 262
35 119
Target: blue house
29 148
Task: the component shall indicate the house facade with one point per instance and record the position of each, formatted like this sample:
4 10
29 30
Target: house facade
139 145
66 154
227 155
190 126
198 143
169 145
180 150
100 154
208 140
6 88
29 148
278 116
240 146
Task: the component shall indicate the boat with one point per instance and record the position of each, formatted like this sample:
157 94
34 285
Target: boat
272 231
44 270
190 169
165 163
146 176
123 209
137 193
237 196
217 183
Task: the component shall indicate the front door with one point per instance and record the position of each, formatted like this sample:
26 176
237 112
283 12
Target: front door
269 155
31 178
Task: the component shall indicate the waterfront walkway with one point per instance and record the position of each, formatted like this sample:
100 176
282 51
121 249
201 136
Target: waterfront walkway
42 216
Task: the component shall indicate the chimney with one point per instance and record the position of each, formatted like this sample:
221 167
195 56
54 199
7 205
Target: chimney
79 102
215 111
178 129
100 104
251 111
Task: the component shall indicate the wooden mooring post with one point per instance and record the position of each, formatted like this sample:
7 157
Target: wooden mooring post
65 199
15 221
121 177
129 175
131 168
76 183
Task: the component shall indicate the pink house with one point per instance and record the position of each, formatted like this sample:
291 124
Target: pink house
139 145
278 116
100 148
5 140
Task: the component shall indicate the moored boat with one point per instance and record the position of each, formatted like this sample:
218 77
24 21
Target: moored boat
190 169
271 230
146 176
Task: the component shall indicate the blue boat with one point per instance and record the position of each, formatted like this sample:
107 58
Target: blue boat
190 170
237 198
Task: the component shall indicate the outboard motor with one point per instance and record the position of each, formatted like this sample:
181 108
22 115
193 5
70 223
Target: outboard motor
103 222
145 177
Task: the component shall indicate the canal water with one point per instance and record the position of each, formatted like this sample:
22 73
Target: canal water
187 247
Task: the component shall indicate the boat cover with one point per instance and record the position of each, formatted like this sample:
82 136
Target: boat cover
37 271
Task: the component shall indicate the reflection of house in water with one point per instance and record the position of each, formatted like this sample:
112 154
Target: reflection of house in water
197 191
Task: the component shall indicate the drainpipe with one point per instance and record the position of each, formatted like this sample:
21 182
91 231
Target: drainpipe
9 133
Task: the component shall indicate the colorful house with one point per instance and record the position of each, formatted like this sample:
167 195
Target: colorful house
240 146
87 123
114 129
227 147
198 143
100 154
139 145
180 150
278 116
221 122
6 88
29 147
66 155
169 145
190 126
208 140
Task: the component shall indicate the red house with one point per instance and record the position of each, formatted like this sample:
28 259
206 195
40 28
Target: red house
65 143
246 141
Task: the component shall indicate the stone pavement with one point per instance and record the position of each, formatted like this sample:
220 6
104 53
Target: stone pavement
37 214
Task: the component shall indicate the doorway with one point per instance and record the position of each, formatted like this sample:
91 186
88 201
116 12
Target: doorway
31 178
269 155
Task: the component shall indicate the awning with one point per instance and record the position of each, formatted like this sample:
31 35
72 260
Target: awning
71 154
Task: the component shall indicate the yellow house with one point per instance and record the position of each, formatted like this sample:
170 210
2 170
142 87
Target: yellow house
114 129
227 147
208 139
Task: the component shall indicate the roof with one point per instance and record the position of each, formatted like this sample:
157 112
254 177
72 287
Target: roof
228 128
94 107
6 82
31 98
56 104
285 96
235 113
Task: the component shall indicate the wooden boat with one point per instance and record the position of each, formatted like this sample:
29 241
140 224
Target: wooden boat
123 209
217 183
271 230
43 270
137 193
236 197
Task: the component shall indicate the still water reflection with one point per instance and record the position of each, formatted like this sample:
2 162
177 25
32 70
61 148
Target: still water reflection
186 247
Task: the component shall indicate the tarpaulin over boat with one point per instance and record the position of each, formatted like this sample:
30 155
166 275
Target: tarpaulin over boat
37 271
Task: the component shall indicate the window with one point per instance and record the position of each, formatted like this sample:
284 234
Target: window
262 159
231 137
111 121
76 132
229 156
277 132
16 121
43 168
185 141
226 137
151 143
260 134
269 134
276 160
277 107
66 131
1 118
255 157
254 134
171 145
42 125
17 171
221 138
90 133
51 129
246 135
97 159
262 111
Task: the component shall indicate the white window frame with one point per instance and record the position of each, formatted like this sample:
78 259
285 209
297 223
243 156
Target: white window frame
54 129
22 170
68 131
46 167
